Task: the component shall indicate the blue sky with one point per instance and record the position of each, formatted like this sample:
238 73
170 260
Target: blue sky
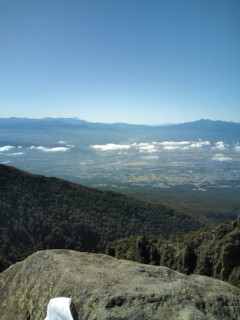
134 61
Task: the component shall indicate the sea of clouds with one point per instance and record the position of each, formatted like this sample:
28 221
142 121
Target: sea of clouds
155 147
148 148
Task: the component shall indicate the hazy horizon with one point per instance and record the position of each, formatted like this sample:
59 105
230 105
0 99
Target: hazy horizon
117 122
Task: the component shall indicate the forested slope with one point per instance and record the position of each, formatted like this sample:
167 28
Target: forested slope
38 213
212 251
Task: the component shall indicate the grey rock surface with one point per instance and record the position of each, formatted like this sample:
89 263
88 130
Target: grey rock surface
103 287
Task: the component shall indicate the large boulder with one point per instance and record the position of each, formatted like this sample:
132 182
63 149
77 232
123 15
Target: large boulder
102 287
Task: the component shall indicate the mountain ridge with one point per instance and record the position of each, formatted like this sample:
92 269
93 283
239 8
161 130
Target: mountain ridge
18 129
82 121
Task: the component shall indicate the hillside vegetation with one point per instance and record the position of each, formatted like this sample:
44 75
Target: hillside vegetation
44 213
212 251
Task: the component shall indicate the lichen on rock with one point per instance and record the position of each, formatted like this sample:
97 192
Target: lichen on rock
103 287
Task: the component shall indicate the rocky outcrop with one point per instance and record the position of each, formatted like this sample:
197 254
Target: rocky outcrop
213 251
103 287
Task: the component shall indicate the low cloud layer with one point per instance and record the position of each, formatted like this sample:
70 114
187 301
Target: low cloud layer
237 148
174 148
220 145
54 149
15 154
151 147
150 157
174 143
221 157
199 144
183 145
110 146
6 148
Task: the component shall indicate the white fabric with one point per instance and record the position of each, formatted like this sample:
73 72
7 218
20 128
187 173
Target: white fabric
59 309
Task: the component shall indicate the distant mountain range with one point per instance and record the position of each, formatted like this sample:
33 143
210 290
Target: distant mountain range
18 129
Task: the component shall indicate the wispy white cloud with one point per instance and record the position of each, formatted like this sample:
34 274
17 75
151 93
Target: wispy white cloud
174 143
61 142
220 145
150 148
183 145
6 148
5 162
54 149
142 147
142 144
199 144
15 154
171 147
221 157
110 146
150 157
237 147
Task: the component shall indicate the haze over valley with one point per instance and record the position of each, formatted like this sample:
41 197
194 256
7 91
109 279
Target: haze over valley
178 165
